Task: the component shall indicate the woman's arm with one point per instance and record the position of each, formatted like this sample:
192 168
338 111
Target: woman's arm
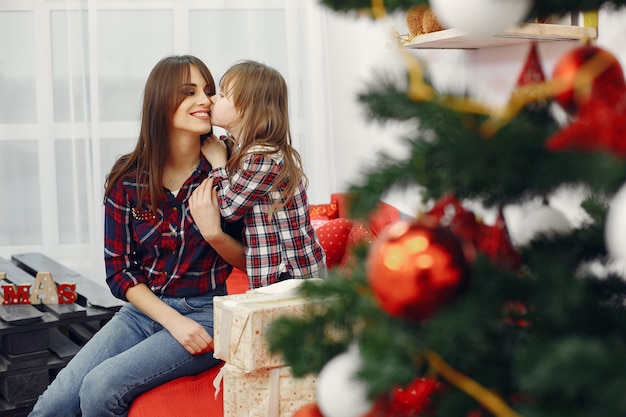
119 243
206 215
189 333
129 283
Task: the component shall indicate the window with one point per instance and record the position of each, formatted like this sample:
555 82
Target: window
71 78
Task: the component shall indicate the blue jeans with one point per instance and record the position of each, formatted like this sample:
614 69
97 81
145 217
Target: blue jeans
128 356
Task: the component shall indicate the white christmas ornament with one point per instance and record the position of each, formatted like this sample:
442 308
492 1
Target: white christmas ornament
481 18
339 392
544 219
615 226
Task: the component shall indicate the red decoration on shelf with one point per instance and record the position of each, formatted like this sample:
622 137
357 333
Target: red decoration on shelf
531 71
415 267
43 291
595 93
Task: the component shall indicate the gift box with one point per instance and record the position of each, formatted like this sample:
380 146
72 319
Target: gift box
265 392
240 322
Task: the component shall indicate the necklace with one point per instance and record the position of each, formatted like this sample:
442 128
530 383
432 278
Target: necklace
173 181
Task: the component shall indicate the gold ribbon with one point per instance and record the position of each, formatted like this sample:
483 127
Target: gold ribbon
488 399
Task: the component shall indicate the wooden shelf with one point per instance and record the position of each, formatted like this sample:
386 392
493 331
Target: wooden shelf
456 39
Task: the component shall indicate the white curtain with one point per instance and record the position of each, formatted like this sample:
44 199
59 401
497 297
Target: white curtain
71 80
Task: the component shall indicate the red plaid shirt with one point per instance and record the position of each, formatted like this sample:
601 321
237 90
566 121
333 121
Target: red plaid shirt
165 251
288 243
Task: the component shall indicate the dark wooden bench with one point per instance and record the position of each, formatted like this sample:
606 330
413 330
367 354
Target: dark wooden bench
36 341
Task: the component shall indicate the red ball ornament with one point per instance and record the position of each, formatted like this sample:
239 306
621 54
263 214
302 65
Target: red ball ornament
309 410
586 73
415 267
416 398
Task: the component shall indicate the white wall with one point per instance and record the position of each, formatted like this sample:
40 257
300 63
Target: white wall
359 47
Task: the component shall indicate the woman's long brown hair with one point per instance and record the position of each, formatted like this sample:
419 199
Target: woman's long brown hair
259 93
162 96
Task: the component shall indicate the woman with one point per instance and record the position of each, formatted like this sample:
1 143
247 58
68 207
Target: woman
165 262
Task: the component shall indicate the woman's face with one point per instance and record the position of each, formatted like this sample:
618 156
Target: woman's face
223 111
192 115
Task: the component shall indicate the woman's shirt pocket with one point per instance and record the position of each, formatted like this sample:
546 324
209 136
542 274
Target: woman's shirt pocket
147 226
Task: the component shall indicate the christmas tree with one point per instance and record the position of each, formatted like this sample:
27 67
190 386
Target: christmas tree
443 315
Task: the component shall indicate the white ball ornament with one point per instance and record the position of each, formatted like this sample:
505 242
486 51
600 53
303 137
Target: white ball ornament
541 220
481 18
615 226
339 392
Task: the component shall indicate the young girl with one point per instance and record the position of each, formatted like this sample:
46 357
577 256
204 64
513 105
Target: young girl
263 181
167 264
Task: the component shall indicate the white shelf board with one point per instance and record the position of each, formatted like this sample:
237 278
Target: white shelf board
456 39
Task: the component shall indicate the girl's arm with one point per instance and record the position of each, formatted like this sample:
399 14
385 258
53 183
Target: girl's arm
206 215
215 151
249 185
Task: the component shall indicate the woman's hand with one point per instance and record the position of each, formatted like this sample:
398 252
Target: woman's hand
204 210
190 334
214 150
206 214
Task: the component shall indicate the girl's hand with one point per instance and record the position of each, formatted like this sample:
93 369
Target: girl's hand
215 151
191 335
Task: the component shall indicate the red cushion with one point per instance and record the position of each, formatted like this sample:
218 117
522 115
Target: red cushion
333 236
383 216
182 397
237 282
359 234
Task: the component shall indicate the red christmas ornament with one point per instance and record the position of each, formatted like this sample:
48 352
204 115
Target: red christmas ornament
449 212
588 72
415 267
514 313
595 92
309 410
496 243
416 398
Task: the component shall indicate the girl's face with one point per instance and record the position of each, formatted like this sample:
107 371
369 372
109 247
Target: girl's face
223 111
192 115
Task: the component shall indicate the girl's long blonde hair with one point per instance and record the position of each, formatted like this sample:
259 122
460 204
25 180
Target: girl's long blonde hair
162 96
259 93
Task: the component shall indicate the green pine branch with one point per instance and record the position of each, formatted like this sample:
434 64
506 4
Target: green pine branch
549 337
448 154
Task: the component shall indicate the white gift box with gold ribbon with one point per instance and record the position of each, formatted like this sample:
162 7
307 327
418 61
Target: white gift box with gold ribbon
241 320
265 392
